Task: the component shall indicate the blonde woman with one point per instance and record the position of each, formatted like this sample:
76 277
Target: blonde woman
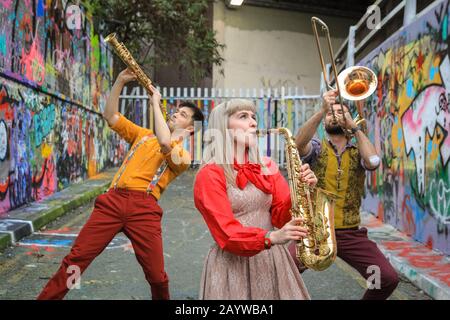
242 198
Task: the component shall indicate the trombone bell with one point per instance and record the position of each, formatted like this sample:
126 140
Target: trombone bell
358 83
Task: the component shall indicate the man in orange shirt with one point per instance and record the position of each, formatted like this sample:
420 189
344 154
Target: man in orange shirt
130 205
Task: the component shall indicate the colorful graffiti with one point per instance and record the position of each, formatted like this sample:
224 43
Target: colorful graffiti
409 121
39 45
47 144
53 85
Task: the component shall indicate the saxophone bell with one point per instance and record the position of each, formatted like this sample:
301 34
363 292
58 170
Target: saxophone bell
111 37
131 63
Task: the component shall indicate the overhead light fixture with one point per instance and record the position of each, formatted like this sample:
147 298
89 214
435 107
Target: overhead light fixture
236 2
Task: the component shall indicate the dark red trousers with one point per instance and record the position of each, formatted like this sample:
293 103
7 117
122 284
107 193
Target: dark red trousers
355 248
134 213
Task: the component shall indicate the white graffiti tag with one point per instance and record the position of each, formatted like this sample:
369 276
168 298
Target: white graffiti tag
442 209
3 140
423 116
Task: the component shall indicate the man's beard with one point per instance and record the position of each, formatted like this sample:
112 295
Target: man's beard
334 129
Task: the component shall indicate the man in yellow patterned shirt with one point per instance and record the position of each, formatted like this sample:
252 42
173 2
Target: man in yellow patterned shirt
340 168
130 205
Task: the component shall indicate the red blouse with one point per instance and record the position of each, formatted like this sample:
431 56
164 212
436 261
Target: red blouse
211 199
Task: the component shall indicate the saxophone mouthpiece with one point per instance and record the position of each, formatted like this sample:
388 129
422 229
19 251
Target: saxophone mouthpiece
263 132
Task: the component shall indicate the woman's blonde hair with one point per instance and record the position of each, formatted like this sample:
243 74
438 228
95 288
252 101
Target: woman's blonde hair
218 141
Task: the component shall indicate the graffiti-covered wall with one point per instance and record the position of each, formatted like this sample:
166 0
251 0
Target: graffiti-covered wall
54 78
409 122
53 45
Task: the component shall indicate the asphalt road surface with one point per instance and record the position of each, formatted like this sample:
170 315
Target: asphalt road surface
116 274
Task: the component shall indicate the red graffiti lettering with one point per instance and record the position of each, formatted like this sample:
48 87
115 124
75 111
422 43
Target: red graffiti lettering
442 273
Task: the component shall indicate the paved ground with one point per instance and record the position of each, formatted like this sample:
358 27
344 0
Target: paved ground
115 274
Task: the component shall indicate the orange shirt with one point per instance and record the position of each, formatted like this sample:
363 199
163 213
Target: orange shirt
141 169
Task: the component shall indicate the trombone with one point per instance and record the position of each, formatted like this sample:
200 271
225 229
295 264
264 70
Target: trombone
358 82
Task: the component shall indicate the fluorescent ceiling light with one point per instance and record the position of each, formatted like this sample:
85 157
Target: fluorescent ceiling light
236 2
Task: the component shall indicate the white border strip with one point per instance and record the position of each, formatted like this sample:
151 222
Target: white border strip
11 233
24 221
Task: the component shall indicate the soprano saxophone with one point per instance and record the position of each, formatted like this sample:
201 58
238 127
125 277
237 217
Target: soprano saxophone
318 250
131 63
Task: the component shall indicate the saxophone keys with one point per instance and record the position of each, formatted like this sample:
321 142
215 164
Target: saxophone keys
324 251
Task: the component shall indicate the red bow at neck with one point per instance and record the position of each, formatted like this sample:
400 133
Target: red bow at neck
252 172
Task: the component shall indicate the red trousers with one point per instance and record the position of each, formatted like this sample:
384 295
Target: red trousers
134 213
355 248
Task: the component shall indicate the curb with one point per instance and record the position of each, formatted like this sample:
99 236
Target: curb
23 221
5 241
430 286
55 213
427 269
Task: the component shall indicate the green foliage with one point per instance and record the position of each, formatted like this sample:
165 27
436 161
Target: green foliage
162 32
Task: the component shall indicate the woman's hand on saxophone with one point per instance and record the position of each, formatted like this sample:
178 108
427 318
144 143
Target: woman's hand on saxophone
290 231
308 175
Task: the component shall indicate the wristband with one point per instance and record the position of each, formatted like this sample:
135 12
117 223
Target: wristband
267 242
354 130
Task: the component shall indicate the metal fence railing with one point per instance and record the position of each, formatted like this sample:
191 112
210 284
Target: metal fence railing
280 107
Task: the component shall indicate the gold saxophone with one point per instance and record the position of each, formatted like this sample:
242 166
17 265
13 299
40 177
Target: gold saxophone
318 250
131 63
